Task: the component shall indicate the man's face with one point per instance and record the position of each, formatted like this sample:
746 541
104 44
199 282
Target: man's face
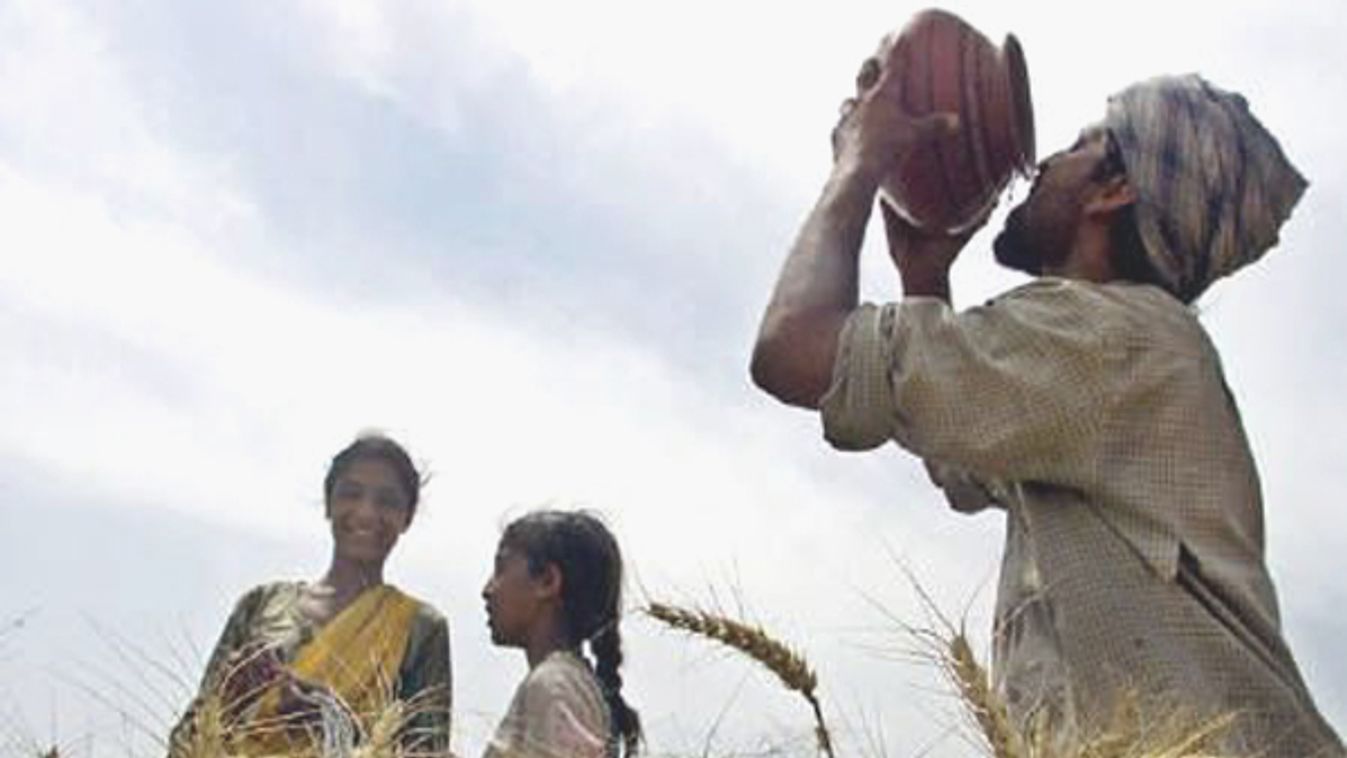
1039 233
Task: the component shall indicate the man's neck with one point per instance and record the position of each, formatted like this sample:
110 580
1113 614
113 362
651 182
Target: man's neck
1090 259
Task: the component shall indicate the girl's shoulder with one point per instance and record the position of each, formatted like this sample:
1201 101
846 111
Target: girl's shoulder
559 704
562 664
565 675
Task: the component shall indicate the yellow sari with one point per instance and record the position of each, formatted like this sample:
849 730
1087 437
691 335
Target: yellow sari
355 656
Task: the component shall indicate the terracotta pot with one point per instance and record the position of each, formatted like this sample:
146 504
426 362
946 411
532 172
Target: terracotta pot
945 65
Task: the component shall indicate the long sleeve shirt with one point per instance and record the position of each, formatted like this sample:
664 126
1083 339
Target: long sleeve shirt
1098 417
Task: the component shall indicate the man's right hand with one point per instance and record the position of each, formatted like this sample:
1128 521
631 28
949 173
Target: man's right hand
875 132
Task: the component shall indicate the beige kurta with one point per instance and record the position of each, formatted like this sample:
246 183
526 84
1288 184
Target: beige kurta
1098 417
558 711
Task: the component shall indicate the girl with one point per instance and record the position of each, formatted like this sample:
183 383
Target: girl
557 584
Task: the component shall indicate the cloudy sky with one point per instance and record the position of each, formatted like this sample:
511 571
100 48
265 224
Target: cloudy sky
532 241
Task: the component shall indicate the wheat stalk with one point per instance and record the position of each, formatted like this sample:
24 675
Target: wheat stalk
209 731
1127 735
789 666
1158 730
987 709
384 732
213 732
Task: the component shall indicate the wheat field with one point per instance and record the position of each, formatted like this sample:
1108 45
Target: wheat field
988 725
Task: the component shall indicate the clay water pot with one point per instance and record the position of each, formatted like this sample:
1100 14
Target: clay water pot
945 65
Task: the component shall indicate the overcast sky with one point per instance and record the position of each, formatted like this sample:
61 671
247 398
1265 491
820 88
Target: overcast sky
532 240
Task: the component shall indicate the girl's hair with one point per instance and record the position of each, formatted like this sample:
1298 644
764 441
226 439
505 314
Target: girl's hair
586 554
379 448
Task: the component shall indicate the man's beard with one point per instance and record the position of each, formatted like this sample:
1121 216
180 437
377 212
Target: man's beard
1014 248
1034 244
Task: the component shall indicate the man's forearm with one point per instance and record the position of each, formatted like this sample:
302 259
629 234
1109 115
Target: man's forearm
814 293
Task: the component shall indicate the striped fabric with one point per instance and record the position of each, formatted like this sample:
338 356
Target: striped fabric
1213 186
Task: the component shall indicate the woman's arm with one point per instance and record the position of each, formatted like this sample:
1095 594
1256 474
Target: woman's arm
426 687
233 638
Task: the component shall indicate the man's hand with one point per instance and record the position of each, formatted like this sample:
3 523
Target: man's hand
923 258
875 132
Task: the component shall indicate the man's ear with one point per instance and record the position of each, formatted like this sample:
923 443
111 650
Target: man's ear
1109 196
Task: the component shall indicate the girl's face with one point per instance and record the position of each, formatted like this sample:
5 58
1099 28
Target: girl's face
516 600
369 511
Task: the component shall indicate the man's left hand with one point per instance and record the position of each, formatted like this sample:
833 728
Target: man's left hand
923 257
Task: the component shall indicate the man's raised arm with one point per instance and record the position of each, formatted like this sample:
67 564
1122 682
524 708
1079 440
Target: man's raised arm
817 287
815 291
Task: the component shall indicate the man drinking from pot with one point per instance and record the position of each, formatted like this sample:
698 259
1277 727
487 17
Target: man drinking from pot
1088 404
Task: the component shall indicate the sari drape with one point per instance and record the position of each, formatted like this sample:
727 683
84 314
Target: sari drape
355 656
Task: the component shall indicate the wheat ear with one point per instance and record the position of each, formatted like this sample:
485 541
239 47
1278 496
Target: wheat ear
789 666
987 709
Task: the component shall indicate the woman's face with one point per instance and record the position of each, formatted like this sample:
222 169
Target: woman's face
515 599
368 509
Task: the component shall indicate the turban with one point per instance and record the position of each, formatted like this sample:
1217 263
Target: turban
1213 186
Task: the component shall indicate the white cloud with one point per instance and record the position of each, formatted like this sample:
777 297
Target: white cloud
73 112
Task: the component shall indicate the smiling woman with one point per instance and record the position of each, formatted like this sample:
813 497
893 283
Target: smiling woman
303 662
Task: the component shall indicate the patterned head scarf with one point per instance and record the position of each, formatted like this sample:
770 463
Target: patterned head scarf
1213 186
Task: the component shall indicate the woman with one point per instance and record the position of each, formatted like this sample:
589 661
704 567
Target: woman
301 663
556 585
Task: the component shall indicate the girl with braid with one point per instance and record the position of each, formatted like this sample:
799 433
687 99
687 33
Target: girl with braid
557 586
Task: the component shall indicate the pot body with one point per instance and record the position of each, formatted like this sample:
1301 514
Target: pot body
944 65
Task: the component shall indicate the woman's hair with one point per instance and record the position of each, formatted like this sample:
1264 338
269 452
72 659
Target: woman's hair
379 448
586 554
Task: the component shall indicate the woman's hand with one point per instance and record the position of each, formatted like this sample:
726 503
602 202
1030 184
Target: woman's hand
255 669
249 672
314 708
301 698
